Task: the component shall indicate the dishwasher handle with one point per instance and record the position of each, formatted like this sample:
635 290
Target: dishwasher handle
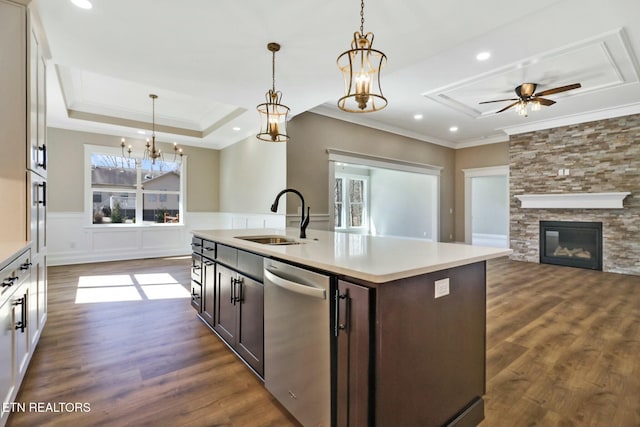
295 287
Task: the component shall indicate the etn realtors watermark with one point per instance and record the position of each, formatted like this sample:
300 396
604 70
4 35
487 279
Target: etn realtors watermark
51 407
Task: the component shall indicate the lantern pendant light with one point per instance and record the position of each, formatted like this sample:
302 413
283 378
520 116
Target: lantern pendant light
273 114
360 68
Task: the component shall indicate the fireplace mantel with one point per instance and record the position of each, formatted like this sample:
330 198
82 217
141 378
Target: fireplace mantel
573 200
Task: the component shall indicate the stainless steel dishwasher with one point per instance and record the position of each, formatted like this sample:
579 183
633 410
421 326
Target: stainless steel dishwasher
297 344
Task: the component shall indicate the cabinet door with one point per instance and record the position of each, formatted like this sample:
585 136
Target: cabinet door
21 334
250 306
41 272
13 121
208 286
6 354
225 309
353 360
196 296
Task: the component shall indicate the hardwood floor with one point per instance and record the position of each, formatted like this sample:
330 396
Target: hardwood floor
563 346
147 362
563 349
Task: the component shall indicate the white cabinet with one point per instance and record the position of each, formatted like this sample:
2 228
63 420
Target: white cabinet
6 354
15 341
13 120
23 185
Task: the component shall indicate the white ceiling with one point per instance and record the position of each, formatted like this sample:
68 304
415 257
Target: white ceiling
208 63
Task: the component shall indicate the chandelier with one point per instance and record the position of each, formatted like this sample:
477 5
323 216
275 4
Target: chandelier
151 152
360 68
273 114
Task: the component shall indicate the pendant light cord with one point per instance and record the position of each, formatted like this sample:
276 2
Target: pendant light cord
273 71
153 117
362 17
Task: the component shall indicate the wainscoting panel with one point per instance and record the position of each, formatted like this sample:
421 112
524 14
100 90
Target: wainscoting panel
72 240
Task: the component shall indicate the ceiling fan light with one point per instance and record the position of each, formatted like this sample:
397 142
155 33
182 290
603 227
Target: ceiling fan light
535 105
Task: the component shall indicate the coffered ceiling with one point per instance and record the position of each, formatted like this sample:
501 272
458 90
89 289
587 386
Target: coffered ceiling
208 63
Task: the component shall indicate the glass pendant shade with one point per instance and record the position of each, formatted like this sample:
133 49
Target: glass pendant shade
273 114
360 68
273 118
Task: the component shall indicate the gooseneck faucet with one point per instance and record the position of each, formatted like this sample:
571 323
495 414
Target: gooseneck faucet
304 219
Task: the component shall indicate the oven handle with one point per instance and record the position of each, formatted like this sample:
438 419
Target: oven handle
295 287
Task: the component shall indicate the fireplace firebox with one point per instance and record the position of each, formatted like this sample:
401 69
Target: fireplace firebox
573 244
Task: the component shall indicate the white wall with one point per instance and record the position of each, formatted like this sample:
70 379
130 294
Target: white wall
402 203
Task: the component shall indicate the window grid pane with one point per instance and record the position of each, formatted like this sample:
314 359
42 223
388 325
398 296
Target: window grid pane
113 208
124 189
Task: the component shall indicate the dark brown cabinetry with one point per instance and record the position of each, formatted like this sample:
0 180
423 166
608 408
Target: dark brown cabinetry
228 294
207 290
425 353
239 317
353 364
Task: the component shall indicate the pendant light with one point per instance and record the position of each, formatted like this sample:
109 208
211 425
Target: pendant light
273 114
360 68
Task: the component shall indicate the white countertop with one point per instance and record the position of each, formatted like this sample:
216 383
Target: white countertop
10 250
372 258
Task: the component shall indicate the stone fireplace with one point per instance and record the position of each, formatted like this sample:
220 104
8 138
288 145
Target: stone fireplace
601 157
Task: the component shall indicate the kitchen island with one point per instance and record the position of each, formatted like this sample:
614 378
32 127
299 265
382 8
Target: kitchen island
406 319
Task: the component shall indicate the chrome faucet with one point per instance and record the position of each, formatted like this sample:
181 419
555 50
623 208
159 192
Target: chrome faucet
304 219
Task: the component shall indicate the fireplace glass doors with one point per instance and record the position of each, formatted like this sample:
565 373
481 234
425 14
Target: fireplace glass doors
574 244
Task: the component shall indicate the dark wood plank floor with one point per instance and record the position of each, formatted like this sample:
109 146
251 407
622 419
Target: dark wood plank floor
148 362
563 349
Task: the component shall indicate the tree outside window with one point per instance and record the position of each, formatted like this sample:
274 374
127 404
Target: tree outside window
134 191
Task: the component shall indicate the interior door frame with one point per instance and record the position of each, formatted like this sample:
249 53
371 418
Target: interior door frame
475 173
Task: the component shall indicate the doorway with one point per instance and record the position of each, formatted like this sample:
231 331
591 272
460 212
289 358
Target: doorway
487 206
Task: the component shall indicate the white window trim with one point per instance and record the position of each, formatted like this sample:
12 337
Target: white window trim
346 203
90 149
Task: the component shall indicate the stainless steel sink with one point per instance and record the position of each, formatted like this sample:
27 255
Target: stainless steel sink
270 240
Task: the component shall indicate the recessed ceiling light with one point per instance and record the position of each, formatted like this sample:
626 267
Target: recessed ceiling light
453 129
483 56
141 132
417 116
82 4
236 128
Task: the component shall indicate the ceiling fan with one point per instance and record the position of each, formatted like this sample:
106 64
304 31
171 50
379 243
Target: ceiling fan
526 95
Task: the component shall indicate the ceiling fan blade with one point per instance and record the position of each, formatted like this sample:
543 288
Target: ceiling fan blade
507 107
544 101
559 89
499 100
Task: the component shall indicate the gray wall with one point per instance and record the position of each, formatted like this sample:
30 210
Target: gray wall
308 165
65 149
252 172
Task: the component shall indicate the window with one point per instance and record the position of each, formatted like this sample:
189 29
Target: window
351 202
133 191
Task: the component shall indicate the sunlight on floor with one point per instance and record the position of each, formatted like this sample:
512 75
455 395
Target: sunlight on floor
125 287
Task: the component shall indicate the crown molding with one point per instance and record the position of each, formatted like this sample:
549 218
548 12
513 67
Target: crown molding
605 113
